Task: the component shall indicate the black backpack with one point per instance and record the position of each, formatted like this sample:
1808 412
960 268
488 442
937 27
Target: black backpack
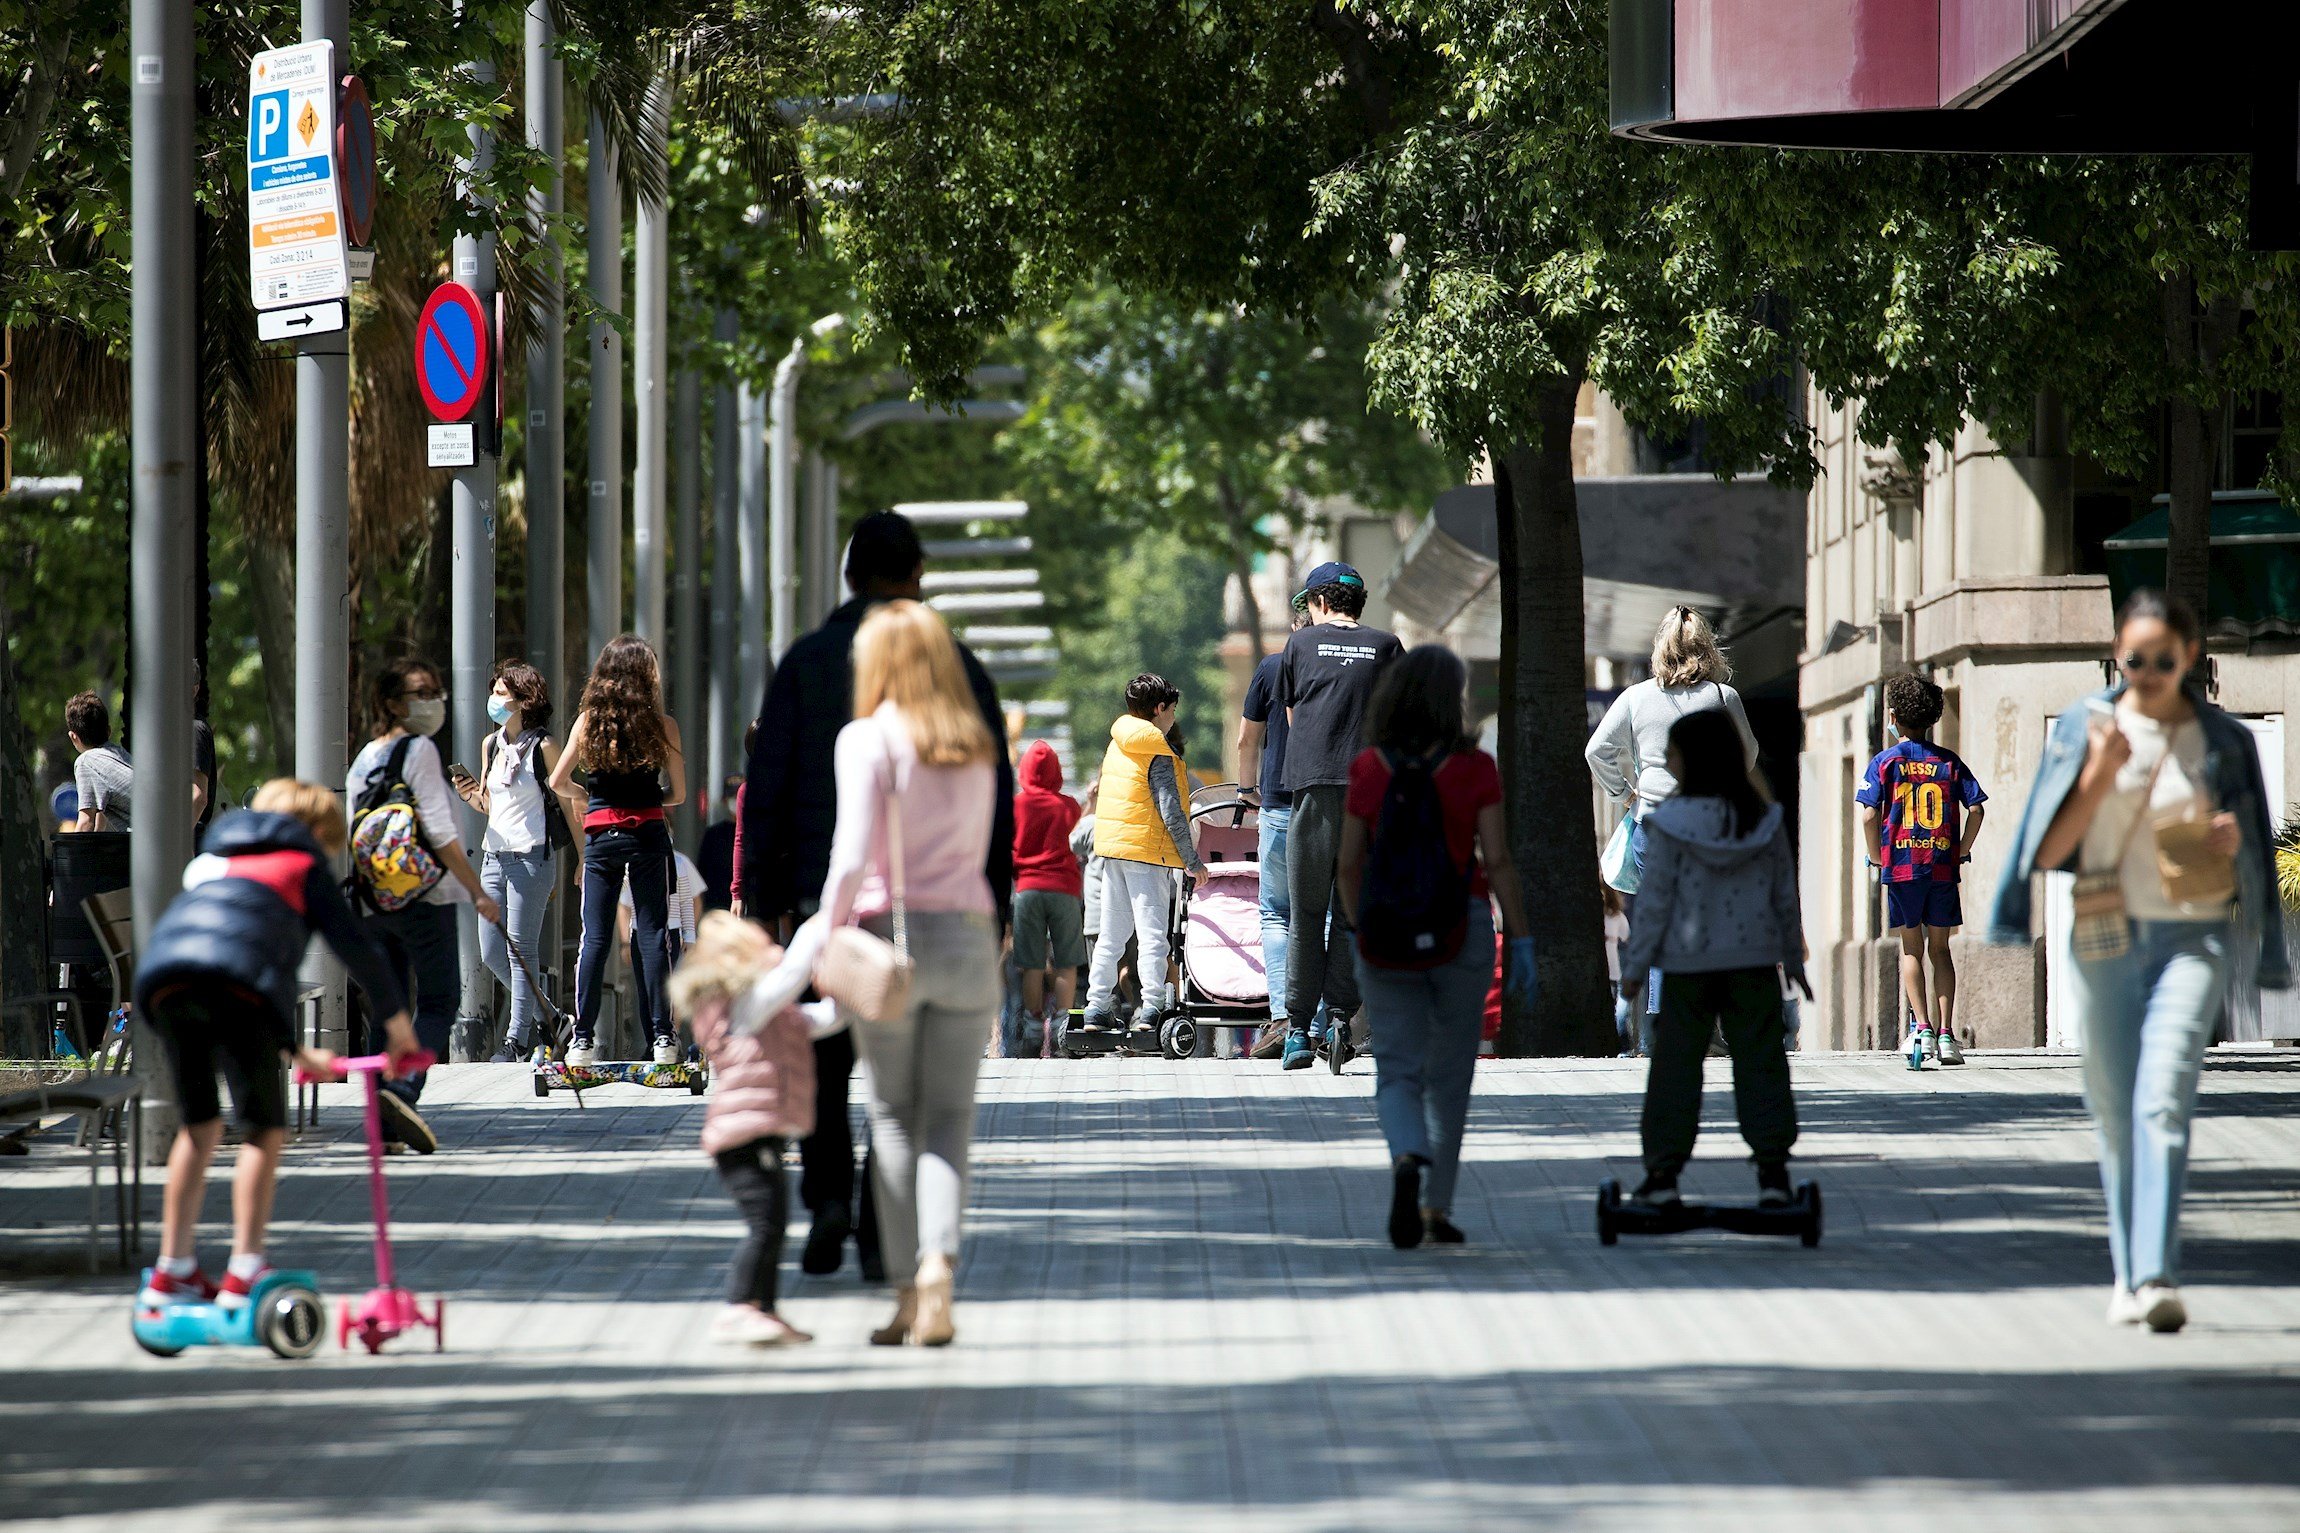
1413 903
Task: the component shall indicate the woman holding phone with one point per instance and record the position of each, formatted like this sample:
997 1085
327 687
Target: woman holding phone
515 863
2153 798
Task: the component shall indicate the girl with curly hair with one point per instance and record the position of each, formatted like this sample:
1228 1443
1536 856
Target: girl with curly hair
634 769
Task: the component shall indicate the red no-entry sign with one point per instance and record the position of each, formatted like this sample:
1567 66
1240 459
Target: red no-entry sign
451 351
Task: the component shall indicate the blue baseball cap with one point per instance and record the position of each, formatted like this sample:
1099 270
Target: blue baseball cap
1331 573
64 803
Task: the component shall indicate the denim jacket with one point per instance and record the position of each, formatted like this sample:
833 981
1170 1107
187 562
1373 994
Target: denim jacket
2233 770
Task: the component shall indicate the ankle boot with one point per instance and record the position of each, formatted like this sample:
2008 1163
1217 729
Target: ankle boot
933 1327
898 1330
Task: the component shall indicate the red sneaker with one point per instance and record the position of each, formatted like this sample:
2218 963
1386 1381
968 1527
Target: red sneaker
166 1288
236 1289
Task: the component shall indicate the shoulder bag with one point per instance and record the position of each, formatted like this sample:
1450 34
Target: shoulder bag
2102 927
864 973
2190 871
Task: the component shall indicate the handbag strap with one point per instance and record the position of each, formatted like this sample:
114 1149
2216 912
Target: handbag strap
2140 815
893 803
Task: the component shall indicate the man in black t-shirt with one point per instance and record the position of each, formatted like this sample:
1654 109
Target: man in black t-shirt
1262 761
1325 679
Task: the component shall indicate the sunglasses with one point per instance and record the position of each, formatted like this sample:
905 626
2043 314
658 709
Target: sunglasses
2163 663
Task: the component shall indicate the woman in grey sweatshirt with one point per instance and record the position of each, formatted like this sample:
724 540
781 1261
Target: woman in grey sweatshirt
1717 914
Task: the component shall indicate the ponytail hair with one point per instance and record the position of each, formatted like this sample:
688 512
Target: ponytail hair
1685 650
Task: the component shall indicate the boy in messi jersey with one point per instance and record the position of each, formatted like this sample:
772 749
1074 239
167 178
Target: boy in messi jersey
1913 799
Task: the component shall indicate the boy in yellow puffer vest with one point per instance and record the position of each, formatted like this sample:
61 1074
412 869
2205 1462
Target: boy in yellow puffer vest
1142 834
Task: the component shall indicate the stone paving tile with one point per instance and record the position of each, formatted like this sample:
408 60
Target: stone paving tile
1177 1311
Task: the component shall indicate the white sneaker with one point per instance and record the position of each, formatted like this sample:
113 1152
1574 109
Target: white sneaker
582 1051
2160 1307
2123 1308
1951 1052
745 1326
666 1051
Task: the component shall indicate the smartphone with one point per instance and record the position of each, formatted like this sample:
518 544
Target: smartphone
460 772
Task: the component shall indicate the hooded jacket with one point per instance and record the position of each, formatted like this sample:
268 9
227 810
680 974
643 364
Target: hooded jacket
251 902
1044 816
1711 900
1143 813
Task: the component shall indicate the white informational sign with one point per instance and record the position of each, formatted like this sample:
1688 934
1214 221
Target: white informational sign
303 320
451 446
295 221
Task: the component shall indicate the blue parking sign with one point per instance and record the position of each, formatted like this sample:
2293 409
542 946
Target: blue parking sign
268 127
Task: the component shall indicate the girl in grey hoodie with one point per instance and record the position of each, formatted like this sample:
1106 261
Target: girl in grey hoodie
1717 914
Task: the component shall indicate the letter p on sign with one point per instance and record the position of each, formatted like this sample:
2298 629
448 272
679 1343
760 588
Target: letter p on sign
268 127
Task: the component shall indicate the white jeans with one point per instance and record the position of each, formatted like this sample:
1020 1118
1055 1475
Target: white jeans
1138 902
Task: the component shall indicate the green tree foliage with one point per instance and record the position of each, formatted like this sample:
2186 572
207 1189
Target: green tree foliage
1159 601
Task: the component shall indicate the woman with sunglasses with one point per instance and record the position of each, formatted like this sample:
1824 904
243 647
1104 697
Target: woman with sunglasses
2154 797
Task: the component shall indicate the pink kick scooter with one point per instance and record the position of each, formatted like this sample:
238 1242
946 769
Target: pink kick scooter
386 1310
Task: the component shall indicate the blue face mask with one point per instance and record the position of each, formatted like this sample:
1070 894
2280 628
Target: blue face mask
499 710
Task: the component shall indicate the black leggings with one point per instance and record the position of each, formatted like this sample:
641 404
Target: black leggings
754 1176
643 853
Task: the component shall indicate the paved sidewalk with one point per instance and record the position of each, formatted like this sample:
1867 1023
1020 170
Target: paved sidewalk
1178 1311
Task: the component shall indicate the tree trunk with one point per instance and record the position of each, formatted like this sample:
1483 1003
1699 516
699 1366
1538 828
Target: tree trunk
2194 344
1544 723
1241 537
271 585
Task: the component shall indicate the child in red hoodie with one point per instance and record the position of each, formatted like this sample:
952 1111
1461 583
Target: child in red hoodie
1049 895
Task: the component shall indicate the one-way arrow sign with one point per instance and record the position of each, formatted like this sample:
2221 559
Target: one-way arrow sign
308 319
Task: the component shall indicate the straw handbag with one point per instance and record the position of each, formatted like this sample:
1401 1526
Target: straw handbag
867 975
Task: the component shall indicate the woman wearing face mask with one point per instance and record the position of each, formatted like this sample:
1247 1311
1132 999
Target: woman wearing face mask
409 705
2153 798
515 862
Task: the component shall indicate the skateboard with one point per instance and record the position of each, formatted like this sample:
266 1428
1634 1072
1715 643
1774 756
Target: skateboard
1800 1217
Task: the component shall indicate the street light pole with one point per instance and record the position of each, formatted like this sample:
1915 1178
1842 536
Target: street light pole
547 369
650 378
688 640
727 704
164 449
604 236
323 560
750 549
782 496
471 606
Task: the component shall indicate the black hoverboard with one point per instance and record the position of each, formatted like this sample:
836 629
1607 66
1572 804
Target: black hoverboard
1616 1216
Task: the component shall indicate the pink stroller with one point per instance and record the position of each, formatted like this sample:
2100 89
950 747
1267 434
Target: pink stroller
1218 928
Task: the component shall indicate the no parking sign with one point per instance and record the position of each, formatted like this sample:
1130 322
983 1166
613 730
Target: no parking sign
451 351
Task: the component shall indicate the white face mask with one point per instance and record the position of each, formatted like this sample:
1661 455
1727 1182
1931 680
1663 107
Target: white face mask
425 715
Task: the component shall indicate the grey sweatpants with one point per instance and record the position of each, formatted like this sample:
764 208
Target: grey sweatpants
922 1070
1321 954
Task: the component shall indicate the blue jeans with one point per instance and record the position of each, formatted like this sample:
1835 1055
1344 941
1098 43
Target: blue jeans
2148 1017
419 944
521 883
1278 912
1426 1026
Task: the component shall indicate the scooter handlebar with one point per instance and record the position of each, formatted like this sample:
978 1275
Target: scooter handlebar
421 1059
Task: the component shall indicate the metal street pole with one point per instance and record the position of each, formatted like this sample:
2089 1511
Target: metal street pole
727 705
165 453
323 561
650 378
604 565
547 371
688 640
547 402
751 551
471 596
782 498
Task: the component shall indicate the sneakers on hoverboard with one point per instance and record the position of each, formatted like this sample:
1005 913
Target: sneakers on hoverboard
582 1051
1658 1190
166 1288
1773 1189
666 1051
1948 1050
236 1289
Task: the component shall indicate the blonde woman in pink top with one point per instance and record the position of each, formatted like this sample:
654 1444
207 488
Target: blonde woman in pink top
919 738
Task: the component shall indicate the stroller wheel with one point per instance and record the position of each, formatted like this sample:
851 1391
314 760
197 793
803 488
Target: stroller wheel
1178 1037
